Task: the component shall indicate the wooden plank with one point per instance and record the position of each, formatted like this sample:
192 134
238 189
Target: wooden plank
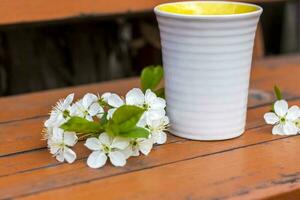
43 173
11 148
21 136
26 135
265 74
42 158
39 104
253 172
42 162
59 175
24 11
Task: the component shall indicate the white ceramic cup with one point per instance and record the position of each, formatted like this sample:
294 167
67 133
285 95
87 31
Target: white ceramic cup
207 60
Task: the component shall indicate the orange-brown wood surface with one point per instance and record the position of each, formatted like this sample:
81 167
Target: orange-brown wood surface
256 165
27 11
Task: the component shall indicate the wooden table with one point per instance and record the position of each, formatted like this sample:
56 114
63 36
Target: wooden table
254 166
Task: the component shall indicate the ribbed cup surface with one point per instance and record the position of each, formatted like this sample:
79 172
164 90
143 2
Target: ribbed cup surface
207 61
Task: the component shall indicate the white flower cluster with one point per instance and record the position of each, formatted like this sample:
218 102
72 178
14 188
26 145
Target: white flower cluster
286 120
93 108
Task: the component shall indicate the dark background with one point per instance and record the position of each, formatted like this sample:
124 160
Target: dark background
42 56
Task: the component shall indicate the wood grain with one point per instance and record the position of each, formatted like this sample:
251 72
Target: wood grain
253 172
265 74
33 107
57 175
39 104
254 166
26 135
24 11
44 168
26 149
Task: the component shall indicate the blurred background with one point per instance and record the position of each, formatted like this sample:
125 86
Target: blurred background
47 44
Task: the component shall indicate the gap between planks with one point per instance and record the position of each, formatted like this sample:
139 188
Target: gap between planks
26 137
183 141
186 150
91 183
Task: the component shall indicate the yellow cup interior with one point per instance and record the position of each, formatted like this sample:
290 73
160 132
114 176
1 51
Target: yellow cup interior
207 8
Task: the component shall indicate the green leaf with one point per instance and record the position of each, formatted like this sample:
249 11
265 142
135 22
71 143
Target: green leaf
136 132
123 122
127 116
81 125
151 77
112 128
160 92
277 93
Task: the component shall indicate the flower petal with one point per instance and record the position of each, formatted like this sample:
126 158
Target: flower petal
88 99
117 158
135 97
58 134
155 114
74 109
105 96
293 113
142 121
135 152
105 139
158 123
52 119
110 113
54 149
95 109
281 107
128 152
60 156
145 146
77 109
68 100
93 144
278 130
290 128
96 159
70 138
271 118
158 103
119 143
55 120
149 96
115 101
166 120
69 155
159 137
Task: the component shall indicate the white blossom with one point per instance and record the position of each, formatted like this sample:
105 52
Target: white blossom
115 102
60 112
106 146
155 106
117 149
157 129
105 96
60 143
136 146
284 118
87 107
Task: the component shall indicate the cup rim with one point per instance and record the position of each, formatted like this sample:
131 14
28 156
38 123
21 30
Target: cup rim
176 15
